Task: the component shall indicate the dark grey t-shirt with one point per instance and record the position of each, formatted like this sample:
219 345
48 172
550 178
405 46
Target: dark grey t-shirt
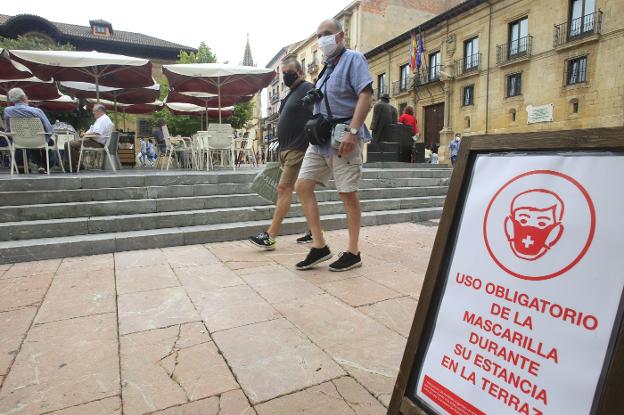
293 117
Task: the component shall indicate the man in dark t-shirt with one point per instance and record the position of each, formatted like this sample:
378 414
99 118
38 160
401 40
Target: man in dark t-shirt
293 115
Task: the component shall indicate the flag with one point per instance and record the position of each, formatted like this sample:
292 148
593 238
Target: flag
412 52
419 50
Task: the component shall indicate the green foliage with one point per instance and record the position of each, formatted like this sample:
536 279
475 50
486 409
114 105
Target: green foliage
203 55
33 42
242 113
184 125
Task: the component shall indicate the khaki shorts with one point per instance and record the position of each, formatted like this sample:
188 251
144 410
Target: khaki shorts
346 171
290 161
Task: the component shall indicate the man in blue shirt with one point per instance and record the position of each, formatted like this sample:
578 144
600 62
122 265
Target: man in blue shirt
346 85
21 109
454 148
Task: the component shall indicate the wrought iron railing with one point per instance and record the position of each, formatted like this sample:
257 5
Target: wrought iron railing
426 76
399 87
274 98
468 64
516 49
313 67
588 25
381 90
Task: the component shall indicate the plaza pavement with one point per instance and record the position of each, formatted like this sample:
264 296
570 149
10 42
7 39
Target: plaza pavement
219 328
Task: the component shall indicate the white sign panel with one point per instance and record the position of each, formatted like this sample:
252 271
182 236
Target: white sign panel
533 289
541 113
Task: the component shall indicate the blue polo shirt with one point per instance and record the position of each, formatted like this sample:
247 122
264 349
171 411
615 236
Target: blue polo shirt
349 78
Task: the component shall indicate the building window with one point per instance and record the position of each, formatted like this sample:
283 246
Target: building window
382 88
582 17
467 95
514 85
467 122
434 66
314 56
404 77
303 65
518 37
145 129
100 30
577 70
471 53
512 114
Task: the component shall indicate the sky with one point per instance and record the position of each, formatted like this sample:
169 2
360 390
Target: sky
223 25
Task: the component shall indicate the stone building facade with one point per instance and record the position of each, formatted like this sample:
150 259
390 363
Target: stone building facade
508 66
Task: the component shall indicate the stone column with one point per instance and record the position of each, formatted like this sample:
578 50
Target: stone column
446 135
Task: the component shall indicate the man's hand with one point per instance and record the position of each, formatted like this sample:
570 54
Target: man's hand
82 133
348 143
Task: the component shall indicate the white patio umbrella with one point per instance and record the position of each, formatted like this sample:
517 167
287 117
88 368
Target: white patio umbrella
102 69
217 78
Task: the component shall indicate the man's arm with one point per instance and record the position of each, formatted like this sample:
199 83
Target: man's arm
365 100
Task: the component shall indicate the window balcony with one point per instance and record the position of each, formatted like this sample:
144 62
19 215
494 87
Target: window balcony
469 65
274 98
516 50
587 27
313 68
427 76
400 87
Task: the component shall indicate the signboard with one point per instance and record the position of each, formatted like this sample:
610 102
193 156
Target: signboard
521 312
541 113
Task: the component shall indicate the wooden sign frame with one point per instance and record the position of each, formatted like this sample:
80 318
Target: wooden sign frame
611 400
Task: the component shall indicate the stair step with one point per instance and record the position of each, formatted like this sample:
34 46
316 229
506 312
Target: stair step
134 222
24 198
92 244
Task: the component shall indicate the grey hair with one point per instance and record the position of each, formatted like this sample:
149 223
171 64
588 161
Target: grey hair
16 95
100 107
295 62
338 25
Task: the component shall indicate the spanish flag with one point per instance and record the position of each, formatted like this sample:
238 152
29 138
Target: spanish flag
412 51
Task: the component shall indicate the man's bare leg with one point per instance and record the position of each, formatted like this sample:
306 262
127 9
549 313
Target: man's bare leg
351 203
282 206
305 192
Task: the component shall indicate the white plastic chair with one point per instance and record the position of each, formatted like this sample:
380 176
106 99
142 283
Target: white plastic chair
221 141
109 145
28 133
9 149
244 149
171 149
62 140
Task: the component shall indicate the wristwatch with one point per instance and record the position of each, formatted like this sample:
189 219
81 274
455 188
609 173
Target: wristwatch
353 131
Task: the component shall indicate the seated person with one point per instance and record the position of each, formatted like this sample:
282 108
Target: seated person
21 109
100 130
160 137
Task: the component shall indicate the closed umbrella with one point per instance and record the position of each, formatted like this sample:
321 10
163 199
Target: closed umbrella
216 78
10 69
102 69
123 95
35 88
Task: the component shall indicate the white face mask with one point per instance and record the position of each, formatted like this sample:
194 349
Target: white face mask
327 45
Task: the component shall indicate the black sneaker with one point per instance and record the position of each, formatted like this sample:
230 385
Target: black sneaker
263 241
305 239
345 262
315 256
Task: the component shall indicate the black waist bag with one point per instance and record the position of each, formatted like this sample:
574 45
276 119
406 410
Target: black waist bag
318 130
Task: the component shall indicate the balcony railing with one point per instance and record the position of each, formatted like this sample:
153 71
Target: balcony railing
313 67
516 49
274 98
427 76
399 87
588 25
467 65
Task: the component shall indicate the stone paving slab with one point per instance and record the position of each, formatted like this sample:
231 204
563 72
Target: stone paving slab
63 364
210 329
279 354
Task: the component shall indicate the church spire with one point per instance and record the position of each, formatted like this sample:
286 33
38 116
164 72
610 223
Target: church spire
247 59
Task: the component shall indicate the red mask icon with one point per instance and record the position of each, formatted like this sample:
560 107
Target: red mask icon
534 225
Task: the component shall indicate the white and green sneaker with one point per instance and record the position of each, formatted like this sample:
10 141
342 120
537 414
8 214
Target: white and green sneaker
263 241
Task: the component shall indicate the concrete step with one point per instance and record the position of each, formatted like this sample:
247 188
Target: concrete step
59 247
19 199
135 180
127 207
24 230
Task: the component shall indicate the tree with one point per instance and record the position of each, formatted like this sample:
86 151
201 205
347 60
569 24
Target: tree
203 55
242 113
33 42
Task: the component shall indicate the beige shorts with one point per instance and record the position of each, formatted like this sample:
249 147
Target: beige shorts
290 161
346 171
